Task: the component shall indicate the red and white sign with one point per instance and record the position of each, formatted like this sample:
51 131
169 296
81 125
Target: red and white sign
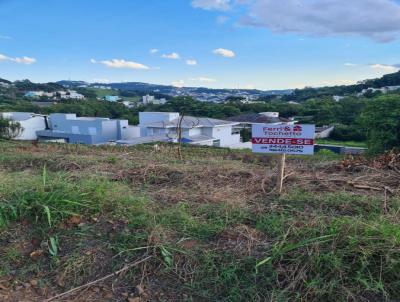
283 139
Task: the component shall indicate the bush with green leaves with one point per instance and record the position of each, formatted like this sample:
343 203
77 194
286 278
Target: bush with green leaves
381 119
9 129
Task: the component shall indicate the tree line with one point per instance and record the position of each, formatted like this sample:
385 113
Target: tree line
375 119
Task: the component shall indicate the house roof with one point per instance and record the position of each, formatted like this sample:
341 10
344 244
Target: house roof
19 116
190 122
323 128
257 118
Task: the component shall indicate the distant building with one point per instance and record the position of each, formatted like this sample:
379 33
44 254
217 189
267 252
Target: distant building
30 123
33 94
69 128
383 90
101 87
149 99
71 94
128 104
76 96
112 98
338 98
5 85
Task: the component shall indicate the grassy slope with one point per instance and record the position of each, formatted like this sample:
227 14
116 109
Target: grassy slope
72 214
103 92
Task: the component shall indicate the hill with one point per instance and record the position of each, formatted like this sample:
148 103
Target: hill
300 95
208 228
201 93
221 94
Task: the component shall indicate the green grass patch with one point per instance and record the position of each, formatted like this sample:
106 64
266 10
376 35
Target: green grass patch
305 245
103 92
342 143
47 199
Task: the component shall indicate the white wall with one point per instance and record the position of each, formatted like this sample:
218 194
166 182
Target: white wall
131 132
224 133
152 117
195 131
29 123
29 128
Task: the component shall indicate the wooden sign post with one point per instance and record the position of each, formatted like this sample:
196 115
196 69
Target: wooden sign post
281 173
283 139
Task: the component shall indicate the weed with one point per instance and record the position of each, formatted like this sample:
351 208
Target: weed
79 213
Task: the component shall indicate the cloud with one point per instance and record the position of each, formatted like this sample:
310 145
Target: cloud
222 20
212 4
224 52
153 50
3 37
335 82
350 64
22 60
248 86
386 67
120 63
203 80
191 62
25 60
172 56
378 20
178 84
4 58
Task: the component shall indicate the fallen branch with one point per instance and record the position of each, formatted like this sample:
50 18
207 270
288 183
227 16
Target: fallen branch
365 187
125 268
288 175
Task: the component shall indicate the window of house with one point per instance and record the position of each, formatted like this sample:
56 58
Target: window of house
235 131
92 130
75 129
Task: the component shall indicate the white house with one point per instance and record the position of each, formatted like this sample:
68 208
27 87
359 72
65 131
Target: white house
71 95
86 130
150 99
195 130
30 123
76 96
338 98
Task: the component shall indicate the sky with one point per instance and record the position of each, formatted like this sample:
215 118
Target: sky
262 44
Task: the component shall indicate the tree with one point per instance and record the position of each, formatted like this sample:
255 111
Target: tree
381 120
9 129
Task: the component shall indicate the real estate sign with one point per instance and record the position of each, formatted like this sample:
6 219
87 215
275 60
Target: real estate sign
283 139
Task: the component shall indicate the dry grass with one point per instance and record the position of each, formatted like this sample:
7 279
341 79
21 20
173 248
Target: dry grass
212 224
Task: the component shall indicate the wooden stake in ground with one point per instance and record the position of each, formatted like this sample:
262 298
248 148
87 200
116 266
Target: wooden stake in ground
281 173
